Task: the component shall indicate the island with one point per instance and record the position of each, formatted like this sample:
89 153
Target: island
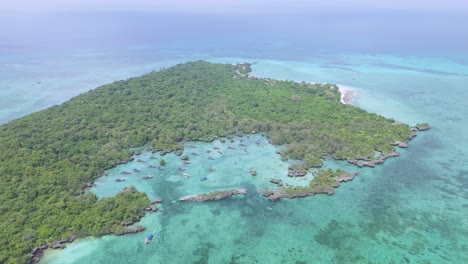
324 182
48 157
212 196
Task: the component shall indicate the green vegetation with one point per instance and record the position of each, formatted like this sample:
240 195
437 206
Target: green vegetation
212 195
423 126
324 182
296 190
298 170
47 157
217 195
326 179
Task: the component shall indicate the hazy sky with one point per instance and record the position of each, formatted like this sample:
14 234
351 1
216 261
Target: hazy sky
234 6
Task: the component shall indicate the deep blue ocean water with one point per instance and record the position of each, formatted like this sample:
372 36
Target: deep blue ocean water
409 66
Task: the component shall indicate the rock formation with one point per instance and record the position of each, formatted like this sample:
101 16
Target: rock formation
212 196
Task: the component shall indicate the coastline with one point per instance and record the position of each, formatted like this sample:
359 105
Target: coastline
347 94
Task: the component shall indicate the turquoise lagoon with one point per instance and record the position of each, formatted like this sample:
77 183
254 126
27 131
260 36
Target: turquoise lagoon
413 209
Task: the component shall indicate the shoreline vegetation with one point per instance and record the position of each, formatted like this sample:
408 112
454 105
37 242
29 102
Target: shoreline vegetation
48 158
325 181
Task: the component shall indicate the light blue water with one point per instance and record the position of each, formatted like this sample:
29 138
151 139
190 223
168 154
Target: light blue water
413 209
230 161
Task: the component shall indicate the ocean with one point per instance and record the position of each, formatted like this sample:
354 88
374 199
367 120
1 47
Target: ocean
412 67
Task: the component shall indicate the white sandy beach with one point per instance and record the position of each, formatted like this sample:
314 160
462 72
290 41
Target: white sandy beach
347 93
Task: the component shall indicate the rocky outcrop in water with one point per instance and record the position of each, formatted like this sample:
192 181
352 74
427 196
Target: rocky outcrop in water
400 144
131 230
163 152
120 162
294 192
371 163
345 178
296 173
157 200
37 252
212 196
316 186
278 182
297 170
152 208
422 127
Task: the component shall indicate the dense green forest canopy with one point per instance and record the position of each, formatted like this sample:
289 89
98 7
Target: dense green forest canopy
46 157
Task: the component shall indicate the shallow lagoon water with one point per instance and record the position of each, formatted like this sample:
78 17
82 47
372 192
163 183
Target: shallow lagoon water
231 162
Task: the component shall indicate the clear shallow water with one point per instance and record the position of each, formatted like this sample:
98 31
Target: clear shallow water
413 209
230 161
